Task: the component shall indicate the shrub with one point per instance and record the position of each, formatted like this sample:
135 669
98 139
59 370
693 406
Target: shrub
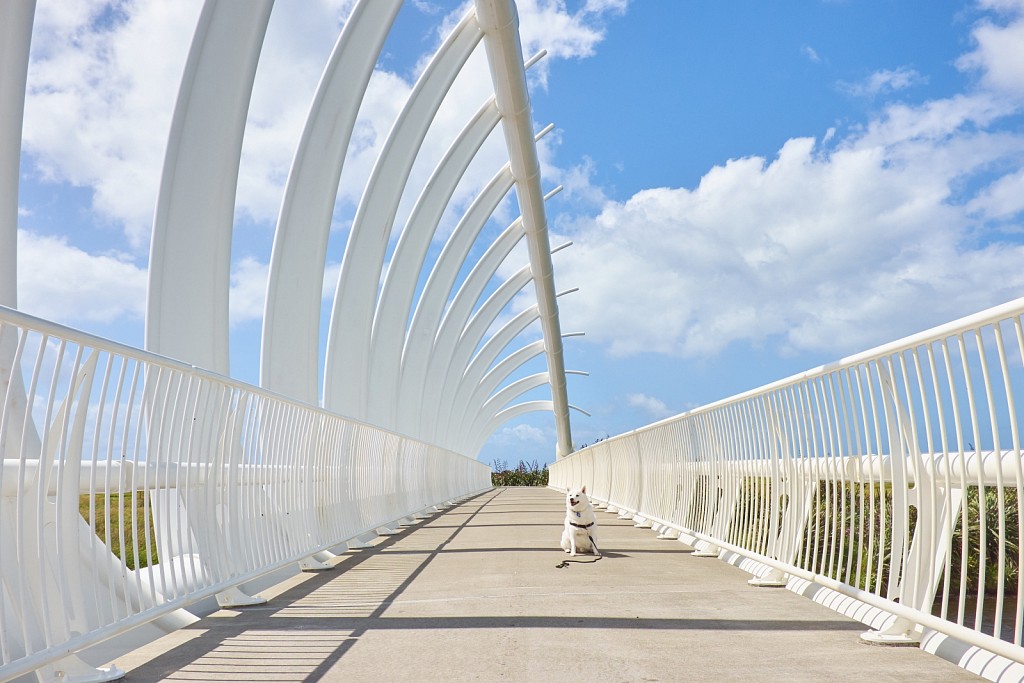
523 475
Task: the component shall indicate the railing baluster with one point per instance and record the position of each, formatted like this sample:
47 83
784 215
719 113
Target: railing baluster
879 477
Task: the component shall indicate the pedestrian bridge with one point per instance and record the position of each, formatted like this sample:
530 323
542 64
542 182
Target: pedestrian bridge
335 520
478 592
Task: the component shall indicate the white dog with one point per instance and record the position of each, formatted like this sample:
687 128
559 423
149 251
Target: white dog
580 524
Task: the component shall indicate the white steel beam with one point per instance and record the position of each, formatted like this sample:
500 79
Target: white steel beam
452 352
469 293
399 288
477 385
291 325
476 441
15 38
346 364
500 23
190 256
430 307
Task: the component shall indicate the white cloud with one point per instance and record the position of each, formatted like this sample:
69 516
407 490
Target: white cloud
811 54
248 290
102 86
1002 199
653 407
509 440
884 82
525 432
60 282
999 53
822 250
427 7
605 6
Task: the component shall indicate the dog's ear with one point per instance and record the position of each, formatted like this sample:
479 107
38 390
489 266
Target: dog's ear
584 489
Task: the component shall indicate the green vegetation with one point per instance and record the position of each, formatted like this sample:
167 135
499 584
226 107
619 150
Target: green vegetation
848 535
1006 542
126 513
525 474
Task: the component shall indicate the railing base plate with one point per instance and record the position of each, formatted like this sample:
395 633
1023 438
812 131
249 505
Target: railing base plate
233 597
893 640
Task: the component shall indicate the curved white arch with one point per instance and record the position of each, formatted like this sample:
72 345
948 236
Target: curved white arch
348 339
15 39
396 297
472 394
190 256
427 316
452 353
511 392
472 288
476 441
490 351
475 385
290 355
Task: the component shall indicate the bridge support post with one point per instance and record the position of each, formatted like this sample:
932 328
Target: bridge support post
901 633
71 669
642 522
709 550
317 562
776 578
361 541
234 597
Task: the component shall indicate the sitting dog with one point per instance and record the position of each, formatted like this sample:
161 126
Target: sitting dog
580 524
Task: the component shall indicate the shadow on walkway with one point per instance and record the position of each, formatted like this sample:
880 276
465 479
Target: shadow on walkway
483 592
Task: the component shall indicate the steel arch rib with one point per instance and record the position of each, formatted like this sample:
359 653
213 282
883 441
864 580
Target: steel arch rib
511 392
452 352
500 23
427 316
348 339
291 326
16 20
190 256
476 441
475 386
473 286
396 298
455 319
490 351
469 293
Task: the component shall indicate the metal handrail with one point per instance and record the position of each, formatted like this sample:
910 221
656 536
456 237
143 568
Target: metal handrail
133 485
892 476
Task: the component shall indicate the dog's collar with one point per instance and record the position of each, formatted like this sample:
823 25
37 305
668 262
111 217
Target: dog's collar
582 526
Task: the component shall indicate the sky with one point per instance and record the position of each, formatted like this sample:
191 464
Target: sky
751 189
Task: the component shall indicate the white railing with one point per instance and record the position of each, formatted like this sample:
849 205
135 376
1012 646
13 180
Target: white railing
892 477
133 485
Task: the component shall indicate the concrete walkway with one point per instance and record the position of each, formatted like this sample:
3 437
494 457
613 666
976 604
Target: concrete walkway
475 594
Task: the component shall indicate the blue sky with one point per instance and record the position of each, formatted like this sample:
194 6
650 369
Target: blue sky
752 189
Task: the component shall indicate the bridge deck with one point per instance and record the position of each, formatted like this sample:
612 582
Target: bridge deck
474 594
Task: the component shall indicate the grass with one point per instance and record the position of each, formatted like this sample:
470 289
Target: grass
126 514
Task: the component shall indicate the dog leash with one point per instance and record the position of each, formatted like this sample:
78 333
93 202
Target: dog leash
565 563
